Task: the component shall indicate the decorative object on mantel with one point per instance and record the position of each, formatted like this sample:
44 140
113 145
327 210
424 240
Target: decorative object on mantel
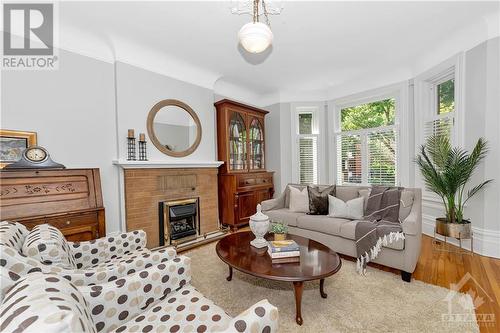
142 147
12 145
446 171
131 145
256 37
35 157
174 128
259 224
279 229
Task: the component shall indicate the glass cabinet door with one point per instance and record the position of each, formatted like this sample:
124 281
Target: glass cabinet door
237 143
256 145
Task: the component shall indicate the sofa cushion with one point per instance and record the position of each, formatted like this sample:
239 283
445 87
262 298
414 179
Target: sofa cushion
12 234
352 209
184 311
300 187
45 303
347 193
405 204
299 200
285 215
318 199
48 245
348 230
287 192
321 223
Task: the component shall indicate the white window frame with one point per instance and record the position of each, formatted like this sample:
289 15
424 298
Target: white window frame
426 109
397 91
317 111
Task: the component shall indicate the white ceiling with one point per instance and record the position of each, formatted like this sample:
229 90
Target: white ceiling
318 46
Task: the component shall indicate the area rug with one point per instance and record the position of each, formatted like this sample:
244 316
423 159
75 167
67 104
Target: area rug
377 302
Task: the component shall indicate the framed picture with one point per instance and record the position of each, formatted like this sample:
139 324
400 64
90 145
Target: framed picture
12 145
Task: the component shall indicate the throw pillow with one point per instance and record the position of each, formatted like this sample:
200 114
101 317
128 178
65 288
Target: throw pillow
352 209
48 245
299 200
365 194
405 204
318 199
46 303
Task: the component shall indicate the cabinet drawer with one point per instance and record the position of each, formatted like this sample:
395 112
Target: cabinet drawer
245 181
62 222
264 180
73 220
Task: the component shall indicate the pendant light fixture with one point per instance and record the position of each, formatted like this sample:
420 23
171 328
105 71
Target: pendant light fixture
255 37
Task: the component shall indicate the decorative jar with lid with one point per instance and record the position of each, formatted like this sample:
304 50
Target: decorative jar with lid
259 224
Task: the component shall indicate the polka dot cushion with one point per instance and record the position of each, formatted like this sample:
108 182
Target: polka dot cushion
184 311
111 267
47 244
261 317
13 234
104 249
115 303
45 303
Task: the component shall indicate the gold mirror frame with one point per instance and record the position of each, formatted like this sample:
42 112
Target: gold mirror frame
151 116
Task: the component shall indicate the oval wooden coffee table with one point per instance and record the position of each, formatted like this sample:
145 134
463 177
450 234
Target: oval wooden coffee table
317 262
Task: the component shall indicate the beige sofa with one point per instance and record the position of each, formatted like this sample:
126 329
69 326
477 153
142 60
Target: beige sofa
338 233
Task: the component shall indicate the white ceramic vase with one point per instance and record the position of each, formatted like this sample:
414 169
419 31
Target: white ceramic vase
259 224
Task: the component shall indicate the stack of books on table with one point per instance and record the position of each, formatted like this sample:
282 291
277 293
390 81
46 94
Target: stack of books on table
283 251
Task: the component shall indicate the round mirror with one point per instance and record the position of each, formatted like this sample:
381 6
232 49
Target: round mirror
174 128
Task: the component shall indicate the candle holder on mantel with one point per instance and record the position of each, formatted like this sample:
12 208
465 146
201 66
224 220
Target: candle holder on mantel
142 147
131 146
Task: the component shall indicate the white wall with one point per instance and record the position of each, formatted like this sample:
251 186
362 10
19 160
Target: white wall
139 89
72 109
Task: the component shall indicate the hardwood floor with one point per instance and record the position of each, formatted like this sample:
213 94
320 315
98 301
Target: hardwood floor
444 268
439 266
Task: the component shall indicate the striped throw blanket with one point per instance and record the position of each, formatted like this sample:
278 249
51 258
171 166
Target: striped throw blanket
380 225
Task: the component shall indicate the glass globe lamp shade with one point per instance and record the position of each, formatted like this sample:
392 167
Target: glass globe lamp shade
255 37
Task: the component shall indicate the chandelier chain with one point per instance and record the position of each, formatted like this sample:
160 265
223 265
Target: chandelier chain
265 13
255 11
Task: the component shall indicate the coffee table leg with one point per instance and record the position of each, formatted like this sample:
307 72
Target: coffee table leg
321 288
298 286
230 277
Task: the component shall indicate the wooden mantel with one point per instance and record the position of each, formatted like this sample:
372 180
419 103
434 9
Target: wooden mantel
167 164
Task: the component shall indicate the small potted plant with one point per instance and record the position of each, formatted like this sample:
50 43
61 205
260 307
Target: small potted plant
279 229
446 171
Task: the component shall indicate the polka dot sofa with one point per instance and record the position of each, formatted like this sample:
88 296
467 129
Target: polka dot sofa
156 299
45 249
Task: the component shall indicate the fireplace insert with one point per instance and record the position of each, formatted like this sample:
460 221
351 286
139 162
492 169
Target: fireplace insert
179 221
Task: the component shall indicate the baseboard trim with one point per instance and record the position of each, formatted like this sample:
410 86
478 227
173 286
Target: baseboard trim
486 242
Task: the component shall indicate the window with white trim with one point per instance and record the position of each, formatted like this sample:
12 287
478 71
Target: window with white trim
307 136
441 118
367 143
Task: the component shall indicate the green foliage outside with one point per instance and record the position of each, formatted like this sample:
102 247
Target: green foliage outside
381 146
369 115
305 123
446 96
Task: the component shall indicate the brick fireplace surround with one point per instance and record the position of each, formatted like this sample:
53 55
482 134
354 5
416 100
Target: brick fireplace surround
146 187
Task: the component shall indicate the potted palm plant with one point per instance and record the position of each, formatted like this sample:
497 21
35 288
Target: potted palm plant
446 171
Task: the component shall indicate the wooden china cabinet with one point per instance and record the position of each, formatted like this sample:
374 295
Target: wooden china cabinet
243 179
